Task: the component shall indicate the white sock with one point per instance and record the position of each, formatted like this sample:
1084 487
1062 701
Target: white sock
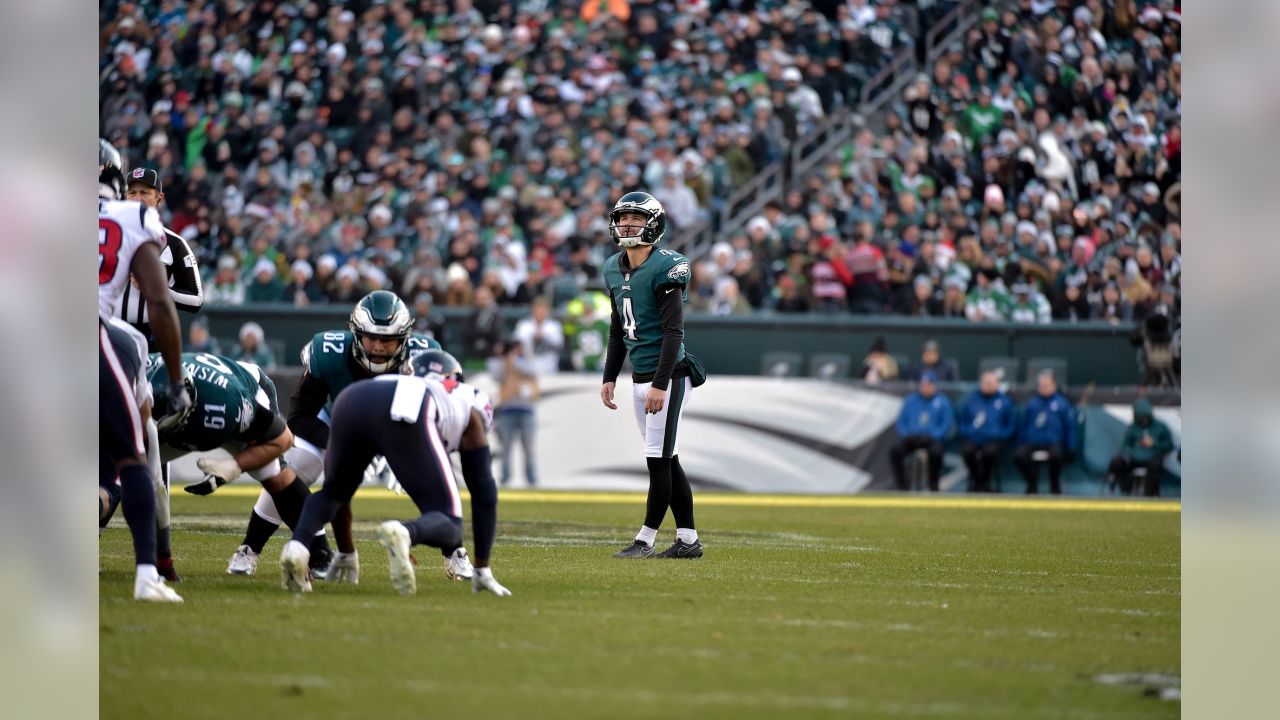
147 572
687 536
647 535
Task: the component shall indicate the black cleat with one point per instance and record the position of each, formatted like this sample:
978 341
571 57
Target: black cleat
682 550
635 551
319 563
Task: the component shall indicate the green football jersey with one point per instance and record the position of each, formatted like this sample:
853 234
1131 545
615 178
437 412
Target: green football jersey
326 359
635 295
233 402
588 343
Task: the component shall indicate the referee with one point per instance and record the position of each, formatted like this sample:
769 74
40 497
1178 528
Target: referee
184 286
179 261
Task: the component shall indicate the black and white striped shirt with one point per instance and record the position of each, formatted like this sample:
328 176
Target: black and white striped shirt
184 284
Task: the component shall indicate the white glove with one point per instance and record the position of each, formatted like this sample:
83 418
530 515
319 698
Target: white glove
345 567
218 471
379 472
484 580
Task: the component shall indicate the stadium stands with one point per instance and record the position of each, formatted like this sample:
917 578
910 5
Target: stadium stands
442 146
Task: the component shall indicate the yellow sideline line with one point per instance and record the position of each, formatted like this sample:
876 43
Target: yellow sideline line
805 501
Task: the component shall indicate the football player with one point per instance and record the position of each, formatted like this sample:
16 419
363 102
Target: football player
415 421
236 409
183 274
647 288
378 342
129 240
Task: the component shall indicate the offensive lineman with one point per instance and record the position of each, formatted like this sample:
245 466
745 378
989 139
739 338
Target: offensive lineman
129 240
647 289
415 421
378 341
236 409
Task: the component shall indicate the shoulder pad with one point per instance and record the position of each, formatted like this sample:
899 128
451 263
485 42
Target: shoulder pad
676 269
481 403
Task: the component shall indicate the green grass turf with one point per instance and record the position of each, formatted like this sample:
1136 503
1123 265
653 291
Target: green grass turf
795 612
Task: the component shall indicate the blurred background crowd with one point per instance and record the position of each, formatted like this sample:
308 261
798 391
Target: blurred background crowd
466 153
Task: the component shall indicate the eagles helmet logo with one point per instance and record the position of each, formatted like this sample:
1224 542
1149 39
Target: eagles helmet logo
679 270
654 228
380 314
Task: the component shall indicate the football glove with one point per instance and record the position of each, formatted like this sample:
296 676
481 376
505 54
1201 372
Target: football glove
345 567
484 580
179 402
218 471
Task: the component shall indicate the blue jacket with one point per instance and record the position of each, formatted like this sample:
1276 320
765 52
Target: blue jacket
988 419
933 417
1049 421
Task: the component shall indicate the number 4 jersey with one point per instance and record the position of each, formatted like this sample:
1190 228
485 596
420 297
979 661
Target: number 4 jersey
123 227
233 402
635 296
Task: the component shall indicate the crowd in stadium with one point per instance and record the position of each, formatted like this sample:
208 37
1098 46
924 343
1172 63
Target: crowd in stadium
312 151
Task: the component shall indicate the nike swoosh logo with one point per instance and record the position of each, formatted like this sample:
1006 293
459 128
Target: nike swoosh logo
671 291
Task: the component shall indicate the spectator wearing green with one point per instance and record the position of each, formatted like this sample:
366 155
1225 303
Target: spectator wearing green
253 347
586 328
987 301
265 287
982 118
1146 442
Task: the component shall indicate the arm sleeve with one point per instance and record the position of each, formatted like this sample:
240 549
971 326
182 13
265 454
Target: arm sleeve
671 309
266 426
1069 414
184 274
617 351
477 472
903 428
304 410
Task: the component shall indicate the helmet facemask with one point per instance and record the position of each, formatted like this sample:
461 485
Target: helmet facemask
392 322
631 235
373 365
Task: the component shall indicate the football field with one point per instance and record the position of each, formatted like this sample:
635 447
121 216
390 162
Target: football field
863 606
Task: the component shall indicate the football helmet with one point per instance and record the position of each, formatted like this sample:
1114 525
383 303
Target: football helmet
655 227
111 184
381 314
437 364
160 390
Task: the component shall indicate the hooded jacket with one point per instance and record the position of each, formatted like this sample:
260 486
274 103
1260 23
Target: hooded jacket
1162 439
